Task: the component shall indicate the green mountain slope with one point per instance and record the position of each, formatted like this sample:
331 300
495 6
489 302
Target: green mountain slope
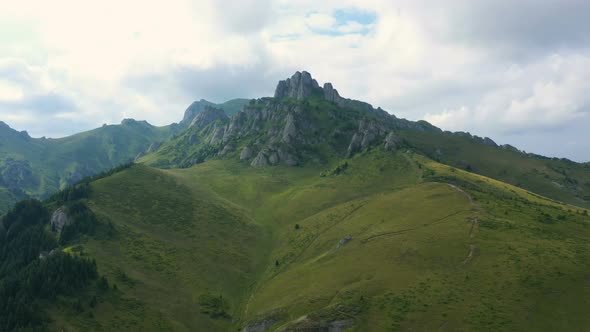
223 245
38 167
560 179
305 124
308 211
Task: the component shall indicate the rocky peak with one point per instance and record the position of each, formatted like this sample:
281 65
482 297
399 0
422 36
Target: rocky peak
301 85
195 108
208 115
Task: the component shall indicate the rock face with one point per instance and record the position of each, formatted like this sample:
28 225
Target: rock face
217 135
299 86
246 153
153 147
392 141
271 155
191 112
59 219
276 131
331 94
208 116
369 131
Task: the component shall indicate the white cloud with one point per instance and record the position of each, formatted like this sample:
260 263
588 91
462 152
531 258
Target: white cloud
10 92
318 21
451 63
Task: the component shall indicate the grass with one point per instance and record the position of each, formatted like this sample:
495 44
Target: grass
215 247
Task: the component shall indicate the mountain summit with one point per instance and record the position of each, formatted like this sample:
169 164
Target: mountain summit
303 123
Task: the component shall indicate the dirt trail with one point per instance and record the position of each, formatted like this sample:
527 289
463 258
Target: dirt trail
402 231
473 249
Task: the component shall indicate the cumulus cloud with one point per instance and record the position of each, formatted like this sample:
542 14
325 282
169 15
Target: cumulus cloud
509 70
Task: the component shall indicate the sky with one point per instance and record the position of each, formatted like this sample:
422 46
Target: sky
517 71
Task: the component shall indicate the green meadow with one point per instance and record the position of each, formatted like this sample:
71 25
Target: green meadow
395 241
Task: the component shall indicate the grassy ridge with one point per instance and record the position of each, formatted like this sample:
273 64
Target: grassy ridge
48 165
559 179
432 247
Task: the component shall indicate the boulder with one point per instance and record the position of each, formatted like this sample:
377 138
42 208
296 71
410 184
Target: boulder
246 153
344 241
260 161
59 219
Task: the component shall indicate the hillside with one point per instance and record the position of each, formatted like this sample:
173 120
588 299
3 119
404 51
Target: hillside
430 246
308 211
305 124
37 167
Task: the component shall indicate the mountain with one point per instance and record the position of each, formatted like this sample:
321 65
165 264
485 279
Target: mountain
231 107
306 211
37 167
307 124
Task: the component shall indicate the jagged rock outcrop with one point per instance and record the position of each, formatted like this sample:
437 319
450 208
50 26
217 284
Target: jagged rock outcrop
59 219
392 141
193 110
217 135
226 150
331 94
246 153
301 85
369 131
208 116
270 156
290 131
261 160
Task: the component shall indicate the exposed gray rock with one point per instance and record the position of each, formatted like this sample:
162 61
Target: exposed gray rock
59 219
208 116
489 141
260 326
260 161
273 157
153 147
45 254
344 241
191 112
287 158
226 149
331 94
246 153
301 85
369 131
217 135
392 141
290 130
